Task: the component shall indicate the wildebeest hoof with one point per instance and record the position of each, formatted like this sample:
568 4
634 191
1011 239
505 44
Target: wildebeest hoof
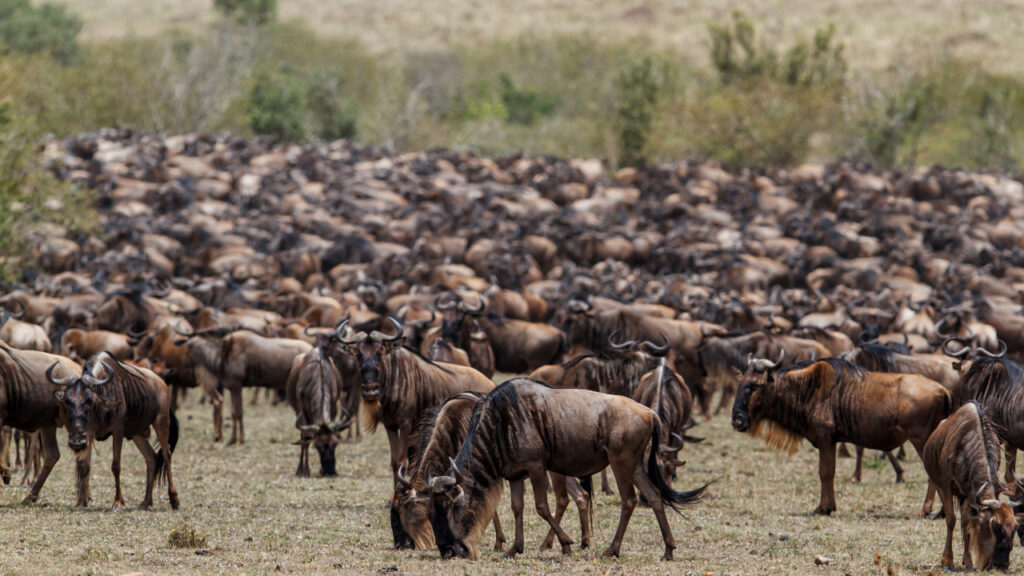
821 511
30 499
899 479
145 506
511 552
567 549
855 479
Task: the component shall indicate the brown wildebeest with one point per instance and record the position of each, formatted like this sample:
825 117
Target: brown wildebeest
997 384
517 345
79 344
27 402
22 335
239 359
526 428
113 399
399 385
437 440
664 391
962 460
832 400
314 392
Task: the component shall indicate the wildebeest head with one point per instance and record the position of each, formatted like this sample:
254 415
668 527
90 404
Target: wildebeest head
579 315
82 400
413 507
759 372
453 527
369 352
991 525
325 440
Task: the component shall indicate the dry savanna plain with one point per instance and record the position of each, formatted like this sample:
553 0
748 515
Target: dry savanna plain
259 518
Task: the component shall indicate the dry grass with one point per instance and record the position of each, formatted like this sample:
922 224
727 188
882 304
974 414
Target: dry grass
873 29
259 518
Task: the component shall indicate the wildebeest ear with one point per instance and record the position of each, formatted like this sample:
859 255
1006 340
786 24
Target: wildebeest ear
59 395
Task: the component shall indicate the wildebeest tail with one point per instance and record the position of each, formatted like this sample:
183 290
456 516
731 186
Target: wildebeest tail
161 471
668 495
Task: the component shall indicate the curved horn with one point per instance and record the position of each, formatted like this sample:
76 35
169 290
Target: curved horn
938 328
359 337
179 332
91 379
963 351
623 345
668 449
402 479
472 311
444 301
21 304
1000 354
455 469
65 382
381 337
656 349
764 365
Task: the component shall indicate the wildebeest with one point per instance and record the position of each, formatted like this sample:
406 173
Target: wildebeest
832 400
314 392
517 345
525 428
79 344
962 460
239 359
664 391
997 384
27 401
399 385
115 400
438 439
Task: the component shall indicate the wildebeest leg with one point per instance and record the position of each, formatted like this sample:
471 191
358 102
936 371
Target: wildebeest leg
929 497
83 465
968 560
725 402
605 488
303 470
1011 463
115 469
901 454
539 481
5 453
516 488
33 460
499 534
396 444
162 427
237 434
624 481
51 453
255 396
582 500
210 384
844 452
947 553
561 503
895 466
653 497
860 463
827 475
150 457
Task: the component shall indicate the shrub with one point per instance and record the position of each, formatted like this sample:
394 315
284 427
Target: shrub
277 106
638 85
248 11
31 29
524 106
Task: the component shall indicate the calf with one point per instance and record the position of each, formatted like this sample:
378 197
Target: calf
314 392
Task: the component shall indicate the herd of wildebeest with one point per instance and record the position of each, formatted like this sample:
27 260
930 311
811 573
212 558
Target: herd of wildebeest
833 304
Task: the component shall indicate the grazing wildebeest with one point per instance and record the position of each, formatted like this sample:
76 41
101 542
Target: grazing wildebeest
314 392
962 460
832 400
997 384
27 401
517 345
115 400
526 428
438 439
239 359
664 391
399 386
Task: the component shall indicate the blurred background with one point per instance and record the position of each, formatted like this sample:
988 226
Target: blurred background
893 84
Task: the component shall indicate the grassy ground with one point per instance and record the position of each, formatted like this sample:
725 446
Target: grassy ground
873 29
259 518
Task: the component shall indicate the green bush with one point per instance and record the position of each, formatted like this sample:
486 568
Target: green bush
248 11
277 106
524 106
638 86
32 29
